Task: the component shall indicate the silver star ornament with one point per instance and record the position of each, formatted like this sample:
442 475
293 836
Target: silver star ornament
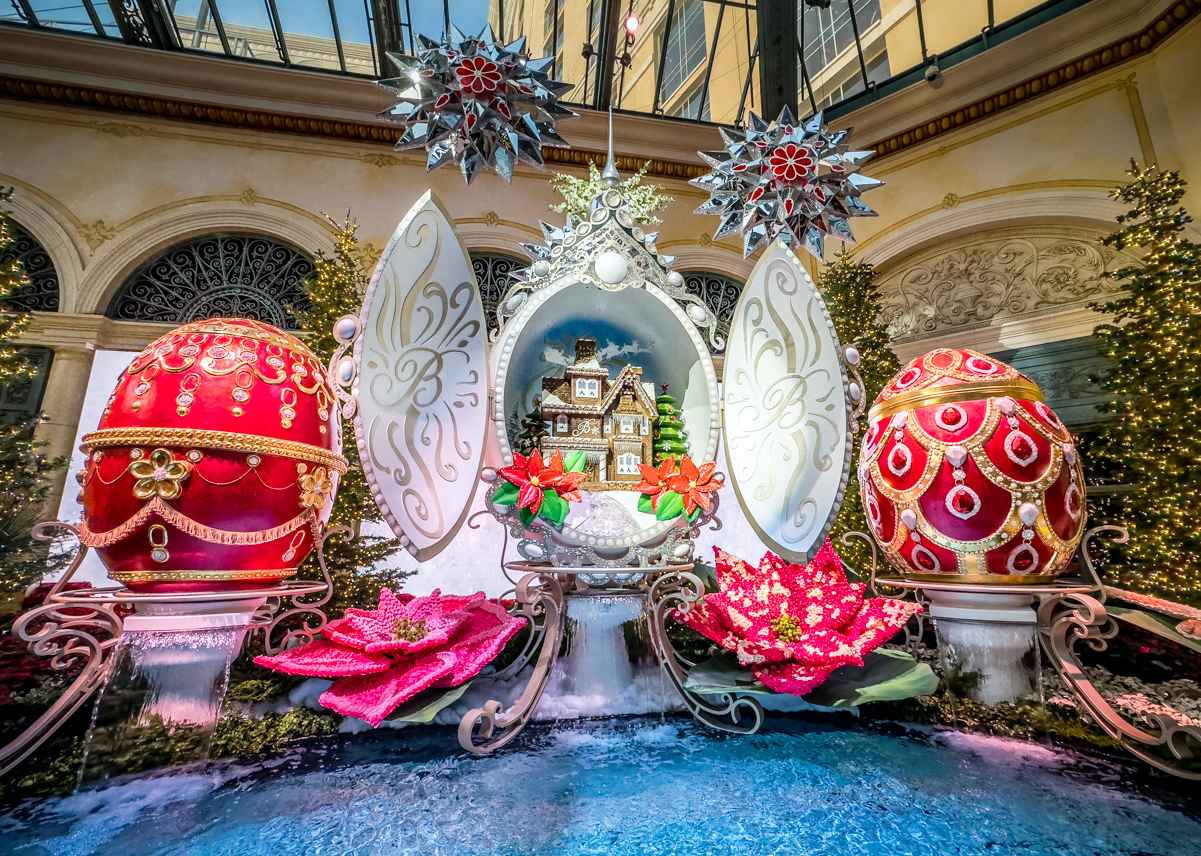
475 102
795 181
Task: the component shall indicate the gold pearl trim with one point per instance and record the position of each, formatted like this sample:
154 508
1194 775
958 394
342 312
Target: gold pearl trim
200 576
928 397
228 441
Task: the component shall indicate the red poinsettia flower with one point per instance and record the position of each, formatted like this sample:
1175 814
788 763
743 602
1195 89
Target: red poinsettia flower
694 484
478 76
533 477
790 163
794 624
654 479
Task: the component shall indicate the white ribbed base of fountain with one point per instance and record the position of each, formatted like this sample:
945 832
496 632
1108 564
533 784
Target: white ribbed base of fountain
994 636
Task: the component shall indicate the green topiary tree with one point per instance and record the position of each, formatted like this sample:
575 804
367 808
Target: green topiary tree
850 291
25 471
335 289
1154 348
670 436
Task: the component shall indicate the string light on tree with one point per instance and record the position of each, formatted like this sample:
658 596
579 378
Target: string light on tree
853 300
1153 344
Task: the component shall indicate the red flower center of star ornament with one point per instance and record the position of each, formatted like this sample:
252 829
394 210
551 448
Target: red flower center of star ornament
478 76
791 163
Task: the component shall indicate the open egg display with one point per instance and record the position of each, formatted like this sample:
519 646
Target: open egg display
214 464
967 475
597 427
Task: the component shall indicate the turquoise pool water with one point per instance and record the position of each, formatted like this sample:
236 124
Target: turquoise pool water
628 787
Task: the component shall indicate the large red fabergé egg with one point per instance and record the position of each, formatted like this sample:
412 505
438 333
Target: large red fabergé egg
214 465
966 475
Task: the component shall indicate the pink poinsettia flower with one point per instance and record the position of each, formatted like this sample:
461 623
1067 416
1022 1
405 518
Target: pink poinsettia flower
792 624
380 658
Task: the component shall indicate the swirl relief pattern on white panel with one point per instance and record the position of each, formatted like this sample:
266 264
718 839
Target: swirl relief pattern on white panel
422 386
785 407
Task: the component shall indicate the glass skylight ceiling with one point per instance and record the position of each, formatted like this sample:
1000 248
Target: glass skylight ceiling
691 59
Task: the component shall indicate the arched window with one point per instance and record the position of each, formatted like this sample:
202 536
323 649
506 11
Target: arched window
492 273
244 276
40 293
720 294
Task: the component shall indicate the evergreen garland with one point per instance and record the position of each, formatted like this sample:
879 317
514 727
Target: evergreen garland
335 289
25 471
1153 345
644 200
853 299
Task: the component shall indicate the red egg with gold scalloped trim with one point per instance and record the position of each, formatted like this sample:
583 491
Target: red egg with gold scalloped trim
967 475
215 462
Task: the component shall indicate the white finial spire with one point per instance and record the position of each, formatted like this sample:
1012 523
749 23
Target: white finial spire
610 173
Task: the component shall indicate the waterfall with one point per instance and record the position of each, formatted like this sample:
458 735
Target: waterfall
597 677
161 699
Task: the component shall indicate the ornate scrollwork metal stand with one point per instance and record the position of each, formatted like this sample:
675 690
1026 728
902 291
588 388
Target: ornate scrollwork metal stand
82 628
539 598
680 590
1067 619
1068 615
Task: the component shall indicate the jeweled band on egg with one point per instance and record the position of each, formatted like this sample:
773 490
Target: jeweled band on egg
200 438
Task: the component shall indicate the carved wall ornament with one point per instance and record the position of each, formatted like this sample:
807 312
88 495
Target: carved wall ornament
979 280
491 218
97 232
382 160
121 130
950 200
248 196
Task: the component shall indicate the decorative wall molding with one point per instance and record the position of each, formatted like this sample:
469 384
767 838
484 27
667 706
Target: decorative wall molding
1008 273
1070 201
1093 62
56 229
1065 74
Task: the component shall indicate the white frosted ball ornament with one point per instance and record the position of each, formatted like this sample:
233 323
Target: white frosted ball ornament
675 279
611 267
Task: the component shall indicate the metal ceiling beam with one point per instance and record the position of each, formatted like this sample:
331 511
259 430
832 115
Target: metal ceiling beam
667 25
385 26
777 58
610 23
700 110
145 22
333 19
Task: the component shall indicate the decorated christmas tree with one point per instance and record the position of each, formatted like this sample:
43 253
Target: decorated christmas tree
670 436
25 471
1153 344
335 289
531 432
850 291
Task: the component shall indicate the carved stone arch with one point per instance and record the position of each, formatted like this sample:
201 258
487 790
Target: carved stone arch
1086 204
228 274
150 235
50 226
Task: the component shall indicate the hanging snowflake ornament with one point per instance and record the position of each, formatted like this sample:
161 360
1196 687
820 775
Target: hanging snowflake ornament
476 102
787 180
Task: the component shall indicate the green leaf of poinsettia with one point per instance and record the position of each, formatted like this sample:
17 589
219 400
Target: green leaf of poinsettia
644 504
506 494
671 504
525 516
887 675
722 674
553 508
575 462
1154 623
427 705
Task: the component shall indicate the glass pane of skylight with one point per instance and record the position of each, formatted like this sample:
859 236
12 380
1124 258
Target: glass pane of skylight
356 36
309 33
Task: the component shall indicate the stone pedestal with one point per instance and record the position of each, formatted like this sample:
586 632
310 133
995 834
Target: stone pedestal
991 635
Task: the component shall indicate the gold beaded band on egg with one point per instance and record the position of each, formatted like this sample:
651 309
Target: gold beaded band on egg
931 396
227 441
201 576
